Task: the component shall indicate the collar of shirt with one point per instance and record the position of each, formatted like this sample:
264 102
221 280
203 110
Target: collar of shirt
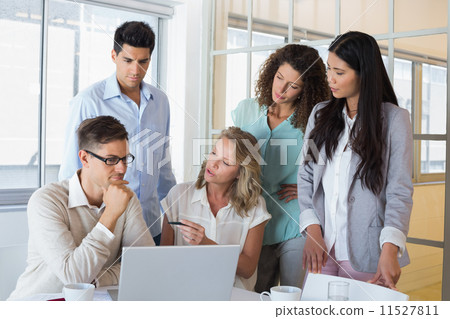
77 197
201 196
112 89
266 111
347 119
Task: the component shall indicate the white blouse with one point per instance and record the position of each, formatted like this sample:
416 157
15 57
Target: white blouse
335 183
185 201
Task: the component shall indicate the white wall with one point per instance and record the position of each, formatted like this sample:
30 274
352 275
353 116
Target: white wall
186 63
13 228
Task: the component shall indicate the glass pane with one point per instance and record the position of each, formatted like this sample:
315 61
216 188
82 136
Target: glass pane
314 19
434 99
427 217
229 87
236 38
260 38
422 278
432 48
80 40
271 17
383 45
418 14
403 82
258 58
432 156
20 22
366 16
230 14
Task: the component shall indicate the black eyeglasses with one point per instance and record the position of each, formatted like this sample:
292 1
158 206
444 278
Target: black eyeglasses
114 160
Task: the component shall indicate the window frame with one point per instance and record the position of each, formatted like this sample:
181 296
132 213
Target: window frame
18 197
319 38
416 121
416 108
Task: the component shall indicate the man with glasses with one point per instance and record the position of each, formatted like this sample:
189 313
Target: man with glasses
142 108
77 227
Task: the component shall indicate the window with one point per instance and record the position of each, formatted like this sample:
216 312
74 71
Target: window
403 82
413 40
236 68
420 81
418 71
19 78
433 119
80 40
38 84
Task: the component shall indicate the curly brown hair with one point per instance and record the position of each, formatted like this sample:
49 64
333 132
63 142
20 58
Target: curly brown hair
308 63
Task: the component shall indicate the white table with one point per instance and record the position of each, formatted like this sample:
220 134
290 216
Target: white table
101 294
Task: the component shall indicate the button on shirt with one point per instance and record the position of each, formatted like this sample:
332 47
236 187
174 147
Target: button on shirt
280 150
185 201
335 183
150 175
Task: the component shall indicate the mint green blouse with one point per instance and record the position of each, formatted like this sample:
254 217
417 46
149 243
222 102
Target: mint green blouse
281 149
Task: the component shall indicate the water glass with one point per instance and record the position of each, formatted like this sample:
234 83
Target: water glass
338 290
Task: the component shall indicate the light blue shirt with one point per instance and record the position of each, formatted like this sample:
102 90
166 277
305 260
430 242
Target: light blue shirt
281 149
150 175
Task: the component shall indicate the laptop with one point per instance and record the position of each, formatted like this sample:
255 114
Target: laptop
178 272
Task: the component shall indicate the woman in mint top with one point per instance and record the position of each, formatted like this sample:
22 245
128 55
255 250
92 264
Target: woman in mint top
291 81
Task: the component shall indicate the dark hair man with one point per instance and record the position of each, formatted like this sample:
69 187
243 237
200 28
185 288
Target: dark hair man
79 226
142 108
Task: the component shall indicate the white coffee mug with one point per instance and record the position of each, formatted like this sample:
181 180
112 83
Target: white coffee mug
78 292
283 293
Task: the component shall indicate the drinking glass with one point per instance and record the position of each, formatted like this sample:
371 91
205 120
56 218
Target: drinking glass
338 290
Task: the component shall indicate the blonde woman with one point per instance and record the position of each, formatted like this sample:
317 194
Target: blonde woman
224 205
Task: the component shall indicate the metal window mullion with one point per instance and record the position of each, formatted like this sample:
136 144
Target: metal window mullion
416 159
391 42
161 53
446 252
247 49
291 22
11 197
337 18
430 137
42 114
416 33
206 66
249 45
425 242
211 70
416 109
249 22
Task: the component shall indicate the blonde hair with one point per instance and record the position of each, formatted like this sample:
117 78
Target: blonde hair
245 190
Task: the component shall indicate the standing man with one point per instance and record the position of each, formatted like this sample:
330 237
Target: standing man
79 226
142 108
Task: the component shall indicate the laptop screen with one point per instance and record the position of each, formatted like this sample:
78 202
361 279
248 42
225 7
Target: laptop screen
178 272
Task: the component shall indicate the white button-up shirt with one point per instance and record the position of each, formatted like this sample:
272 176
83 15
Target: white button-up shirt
335 183
184 201
150 175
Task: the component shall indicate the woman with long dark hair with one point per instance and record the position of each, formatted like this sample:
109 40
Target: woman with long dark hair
291 81
355 178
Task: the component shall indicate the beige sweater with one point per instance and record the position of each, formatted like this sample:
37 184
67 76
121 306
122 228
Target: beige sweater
65 246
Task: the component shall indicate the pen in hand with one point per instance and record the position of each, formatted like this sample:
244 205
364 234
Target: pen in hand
177 223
